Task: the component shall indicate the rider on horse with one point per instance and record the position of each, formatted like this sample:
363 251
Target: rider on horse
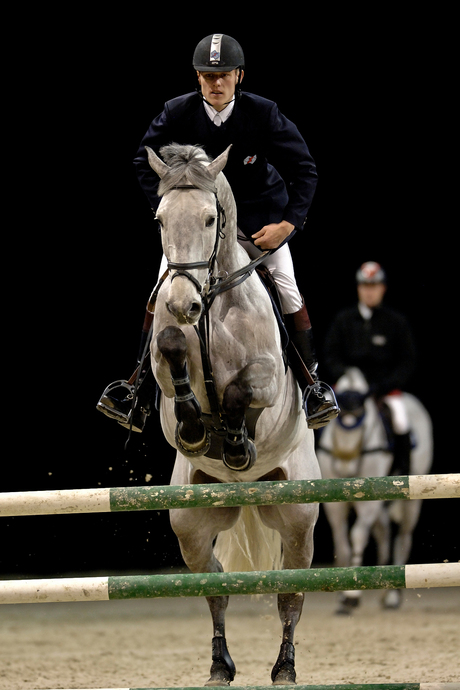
272 201
378 341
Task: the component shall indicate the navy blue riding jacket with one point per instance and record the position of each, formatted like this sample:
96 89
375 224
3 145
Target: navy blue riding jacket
270 169
382 347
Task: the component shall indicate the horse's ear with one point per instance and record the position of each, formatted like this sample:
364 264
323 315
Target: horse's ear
219 163
156 163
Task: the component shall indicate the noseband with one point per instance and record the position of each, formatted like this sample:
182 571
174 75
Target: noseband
182 269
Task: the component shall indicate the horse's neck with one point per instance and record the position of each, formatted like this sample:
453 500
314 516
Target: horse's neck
230 256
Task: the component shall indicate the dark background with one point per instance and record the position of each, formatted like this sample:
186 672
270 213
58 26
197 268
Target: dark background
365 93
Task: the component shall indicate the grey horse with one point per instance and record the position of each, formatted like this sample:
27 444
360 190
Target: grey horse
229 405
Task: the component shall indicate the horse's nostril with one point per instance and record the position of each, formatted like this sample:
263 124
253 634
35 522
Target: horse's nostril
195 310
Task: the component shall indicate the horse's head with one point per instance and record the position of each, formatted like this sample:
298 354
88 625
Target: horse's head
191 221
351 391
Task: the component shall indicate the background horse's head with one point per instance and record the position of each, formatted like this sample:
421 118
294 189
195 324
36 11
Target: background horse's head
351 391
191 221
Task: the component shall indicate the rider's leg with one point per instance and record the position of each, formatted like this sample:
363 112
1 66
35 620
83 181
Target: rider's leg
401 429
116 401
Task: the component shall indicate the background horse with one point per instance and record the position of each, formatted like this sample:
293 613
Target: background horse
356 444
228 404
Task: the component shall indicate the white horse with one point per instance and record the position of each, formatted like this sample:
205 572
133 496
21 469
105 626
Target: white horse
228 404
356 444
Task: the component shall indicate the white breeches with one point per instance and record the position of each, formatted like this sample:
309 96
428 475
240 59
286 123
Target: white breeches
398 410
280 266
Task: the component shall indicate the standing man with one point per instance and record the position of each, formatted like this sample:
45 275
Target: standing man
272 175
378 341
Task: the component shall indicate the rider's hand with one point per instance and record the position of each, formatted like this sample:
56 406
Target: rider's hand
271 236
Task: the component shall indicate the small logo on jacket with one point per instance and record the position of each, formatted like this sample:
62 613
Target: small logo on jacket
249 160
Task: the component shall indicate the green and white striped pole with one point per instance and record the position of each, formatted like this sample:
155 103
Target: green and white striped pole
220 584
229 495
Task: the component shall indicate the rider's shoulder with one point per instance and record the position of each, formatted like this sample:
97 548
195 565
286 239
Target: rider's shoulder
253 101
182 105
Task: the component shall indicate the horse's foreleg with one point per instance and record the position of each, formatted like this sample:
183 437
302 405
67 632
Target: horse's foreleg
239 452
410 512
367 514
337 517
381 531
191 435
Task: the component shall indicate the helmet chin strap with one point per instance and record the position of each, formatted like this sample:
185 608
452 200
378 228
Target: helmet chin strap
237 95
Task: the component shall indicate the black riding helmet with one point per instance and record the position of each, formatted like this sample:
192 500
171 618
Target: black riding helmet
218 53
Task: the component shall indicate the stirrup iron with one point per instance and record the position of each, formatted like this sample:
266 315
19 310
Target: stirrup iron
105 403
327 412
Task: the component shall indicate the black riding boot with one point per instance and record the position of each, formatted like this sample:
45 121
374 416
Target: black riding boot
402 446
129 402
318 398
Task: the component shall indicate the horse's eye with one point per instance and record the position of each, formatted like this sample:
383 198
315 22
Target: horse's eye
210 222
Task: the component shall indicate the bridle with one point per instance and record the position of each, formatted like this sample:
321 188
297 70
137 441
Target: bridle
182 269
213 285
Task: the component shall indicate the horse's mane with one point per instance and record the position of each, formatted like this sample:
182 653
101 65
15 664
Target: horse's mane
186 167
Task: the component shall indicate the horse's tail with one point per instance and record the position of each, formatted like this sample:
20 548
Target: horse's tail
249 545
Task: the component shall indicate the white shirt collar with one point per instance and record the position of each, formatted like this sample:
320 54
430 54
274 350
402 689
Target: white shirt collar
216 117
365 311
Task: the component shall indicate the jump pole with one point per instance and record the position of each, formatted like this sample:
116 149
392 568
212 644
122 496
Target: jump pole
135 498
343 686
221 584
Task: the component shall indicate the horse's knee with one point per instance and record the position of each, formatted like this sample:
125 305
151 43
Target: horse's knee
237 398
172 344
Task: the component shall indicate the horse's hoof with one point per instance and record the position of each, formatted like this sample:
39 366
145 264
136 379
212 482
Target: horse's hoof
283 672
285 676
222 669
243 461
392 599
217 682
346 606
281 680
193 450
343 611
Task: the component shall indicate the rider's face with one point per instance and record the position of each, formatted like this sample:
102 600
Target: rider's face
371 294
218 88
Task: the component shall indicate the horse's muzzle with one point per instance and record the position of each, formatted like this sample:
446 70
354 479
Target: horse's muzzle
185 312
